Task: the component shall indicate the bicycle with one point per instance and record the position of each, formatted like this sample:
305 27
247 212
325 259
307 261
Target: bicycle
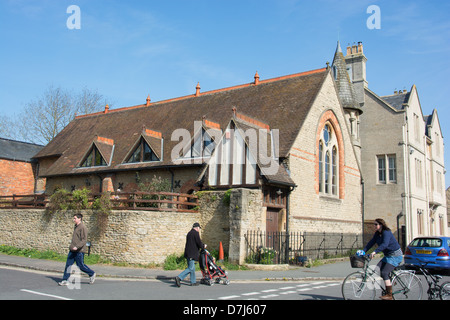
362 285
435 290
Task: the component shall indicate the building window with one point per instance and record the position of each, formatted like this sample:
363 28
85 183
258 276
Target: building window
203 146
439 182
392 169
387 169
418 170
328 162
437 144
142 153
419 221
417 130
93 159
381 169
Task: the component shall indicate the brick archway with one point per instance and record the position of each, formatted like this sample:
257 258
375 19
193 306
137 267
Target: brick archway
329 117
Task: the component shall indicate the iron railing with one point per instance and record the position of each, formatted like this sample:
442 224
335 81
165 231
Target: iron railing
271 247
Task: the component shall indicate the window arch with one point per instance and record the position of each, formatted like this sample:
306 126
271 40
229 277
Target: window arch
330 177
328 170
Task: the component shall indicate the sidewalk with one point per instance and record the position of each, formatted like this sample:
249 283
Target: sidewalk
332 271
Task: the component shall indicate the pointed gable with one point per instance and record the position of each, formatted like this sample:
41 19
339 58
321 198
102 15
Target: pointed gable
99 154
147 148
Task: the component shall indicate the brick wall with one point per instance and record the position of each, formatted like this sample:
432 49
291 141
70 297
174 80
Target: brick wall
16 177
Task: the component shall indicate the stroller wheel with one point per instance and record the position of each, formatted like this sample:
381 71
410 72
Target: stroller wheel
210 282
226 282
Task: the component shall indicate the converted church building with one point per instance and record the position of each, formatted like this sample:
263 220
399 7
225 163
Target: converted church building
325 153
286 137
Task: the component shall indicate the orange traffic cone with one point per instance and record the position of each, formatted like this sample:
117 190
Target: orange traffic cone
220 251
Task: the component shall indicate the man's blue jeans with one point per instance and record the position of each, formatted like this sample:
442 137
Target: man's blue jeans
189 270
78 258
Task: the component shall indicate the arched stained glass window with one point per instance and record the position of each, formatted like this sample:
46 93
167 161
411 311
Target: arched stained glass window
328 161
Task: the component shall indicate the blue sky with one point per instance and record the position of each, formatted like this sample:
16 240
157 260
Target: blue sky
129 49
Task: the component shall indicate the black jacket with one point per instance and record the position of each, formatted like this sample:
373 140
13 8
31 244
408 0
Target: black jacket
193 244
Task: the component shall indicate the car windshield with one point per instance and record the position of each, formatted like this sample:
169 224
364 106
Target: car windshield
426 242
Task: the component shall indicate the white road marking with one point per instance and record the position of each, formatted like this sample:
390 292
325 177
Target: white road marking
229 297
45 294
298 288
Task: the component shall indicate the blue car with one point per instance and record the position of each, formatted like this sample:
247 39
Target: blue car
434 251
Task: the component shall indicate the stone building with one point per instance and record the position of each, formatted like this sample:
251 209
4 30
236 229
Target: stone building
287 138
402 156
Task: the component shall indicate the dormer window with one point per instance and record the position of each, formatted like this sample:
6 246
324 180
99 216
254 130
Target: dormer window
142 153
203 145
93 159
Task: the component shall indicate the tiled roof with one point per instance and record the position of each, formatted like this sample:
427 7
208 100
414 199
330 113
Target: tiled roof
17 150
342 79
281 103
397 100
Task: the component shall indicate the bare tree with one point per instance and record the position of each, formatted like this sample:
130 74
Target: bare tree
42 119
5 127
88 101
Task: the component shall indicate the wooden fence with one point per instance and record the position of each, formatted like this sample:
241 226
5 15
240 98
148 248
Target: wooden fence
149 201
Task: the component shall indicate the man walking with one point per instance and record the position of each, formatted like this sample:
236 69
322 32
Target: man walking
193 244
77 250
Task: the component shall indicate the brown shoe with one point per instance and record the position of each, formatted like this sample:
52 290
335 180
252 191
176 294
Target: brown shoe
388 295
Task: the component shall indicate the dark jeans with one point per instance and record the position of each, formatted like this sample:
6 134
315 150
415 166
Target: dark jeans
78 258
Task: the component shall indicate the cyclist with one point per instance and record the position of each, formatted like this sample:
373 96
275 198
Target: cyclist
393 254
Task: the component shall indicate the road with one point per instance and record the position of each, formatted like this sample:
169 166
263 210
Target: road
20 284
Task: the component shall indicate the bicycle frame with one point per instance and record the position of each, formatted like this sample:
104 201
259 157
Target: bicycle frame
403 281
432 281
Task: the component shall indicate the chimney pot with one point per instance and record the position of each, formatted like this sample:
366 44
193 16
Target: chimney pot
360 47
349 50
197 89
256 78
148 100
106 109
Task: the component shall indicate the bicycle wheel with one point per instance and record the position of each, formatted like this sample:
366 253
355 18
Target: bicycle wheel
357 286
406 286
444 293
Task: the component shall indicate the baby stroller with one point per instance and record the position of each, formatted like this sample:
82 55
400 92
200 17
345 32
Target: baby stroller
211 272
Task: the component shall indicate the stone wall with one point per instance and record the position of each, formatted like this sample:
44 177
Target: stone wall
140 236
129 236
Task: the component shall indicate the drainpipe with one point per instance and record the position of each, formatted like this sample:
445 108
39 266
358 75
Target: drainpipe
172 179
287 222
286 250
399 216
363 206
101 182
407 181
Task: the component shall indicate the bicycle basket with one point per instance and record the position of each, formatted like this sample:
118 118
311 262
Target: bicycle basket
357 262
